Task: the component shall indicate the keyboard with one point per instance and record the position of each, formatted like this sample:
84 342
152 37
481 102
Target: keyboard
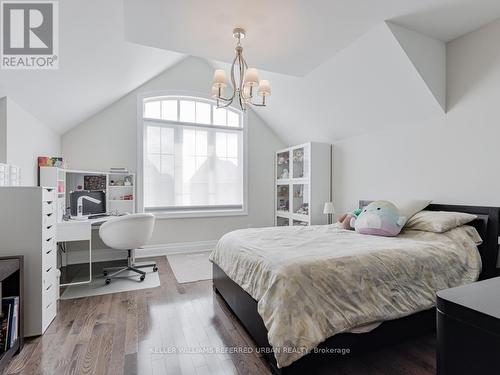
97 216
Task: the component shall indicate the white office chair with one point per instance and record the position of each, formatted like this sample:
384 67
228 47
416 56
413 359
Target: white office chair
128 233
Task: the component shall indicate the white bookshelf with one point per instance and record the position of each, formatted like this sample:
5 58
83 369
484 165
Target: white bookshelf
121 196
302 184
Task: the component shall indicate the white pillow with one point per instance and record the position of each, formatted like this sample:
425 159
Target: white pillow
410 207
438 221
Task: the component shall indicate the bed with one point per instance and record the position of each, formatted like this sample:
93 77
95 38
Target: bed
241 292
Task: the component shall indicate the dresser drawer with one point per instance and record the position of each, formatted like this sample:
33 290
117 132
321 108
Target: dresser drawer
48 313
49 286
48 207
48 194
48 232
49 244
49 259
49 219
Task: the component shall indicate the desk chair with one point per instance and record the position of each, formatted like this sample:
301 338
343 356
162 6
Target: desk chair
127 232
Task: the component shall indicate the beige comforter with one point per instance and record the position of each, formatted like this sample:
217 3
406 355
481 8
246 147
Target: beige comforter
314 282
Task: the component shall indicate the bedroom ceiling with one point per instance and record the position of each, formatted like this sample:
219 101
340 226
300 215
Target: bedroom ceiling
108 48
291 36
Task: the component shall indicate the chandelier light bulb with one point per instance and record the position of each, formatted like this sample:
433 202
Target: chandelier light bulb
217 91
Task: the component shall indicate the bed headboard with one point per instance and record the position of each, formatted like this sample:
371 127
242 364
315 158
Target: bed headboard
487 225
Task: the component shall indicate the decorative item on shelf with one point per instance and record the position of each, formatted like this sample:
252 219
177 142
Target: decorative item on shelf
283 205
246 83
94 182
282 160
298 193
329 210
299 223
46 161
303 209
284 174
283 190
127 181
128 197
298 156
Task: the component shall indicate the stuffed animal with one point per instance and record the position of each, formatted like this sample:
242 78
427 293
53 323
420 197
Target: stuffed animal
380 218
345 219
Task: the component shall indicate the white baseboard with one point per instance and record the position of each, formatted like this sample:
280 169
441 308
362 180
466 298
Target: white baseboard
103 255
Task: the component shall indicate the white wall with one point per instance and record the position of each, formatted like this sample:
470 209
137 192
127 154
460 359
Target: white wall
451 158
24 138
109 139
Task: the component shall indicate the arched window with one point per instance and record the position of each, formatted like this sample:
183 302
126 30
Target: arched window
192 157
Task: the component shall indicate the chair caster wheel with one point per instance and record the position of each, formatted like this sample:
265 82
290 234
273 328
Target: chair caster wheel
105 273
142 277
108 281
155 269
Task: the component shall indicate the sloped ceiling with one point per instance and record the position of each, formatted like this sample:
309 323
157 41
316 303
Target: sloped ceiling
97 66
369 85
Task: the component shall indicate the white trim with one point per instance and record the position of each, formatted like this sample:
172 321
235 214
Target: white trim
103 255
175 248
193 214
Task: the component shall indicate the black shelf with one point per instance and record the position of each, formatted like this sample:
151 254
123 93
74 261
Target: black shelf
11 279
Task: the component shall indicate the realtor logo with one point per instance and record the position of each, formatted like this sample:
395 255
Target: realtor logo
29 34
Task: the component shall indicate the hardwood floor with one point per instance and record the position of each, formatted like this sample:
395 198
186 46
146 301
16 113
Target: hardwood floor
129 333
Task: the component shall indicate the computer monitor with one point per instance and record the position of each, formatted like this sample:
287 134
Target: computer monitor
89 208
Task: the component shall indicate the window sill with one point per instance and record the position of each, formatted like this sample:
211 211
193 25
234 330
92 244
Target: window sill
197 214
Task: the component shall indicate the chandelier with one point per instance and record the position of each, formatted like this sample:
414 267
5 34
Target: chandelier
245 81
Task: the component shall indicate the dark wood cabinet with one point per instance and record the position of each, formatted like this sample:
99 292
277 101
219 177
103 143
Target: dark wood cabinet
468 329
11 282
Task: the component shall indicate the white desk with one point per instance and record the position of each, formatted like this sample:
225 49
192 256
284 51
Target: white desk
79 230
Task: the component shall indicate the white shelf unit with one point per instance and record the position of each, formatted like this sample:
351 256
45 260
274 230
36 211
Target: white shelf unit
117 191
302 184
10 175
67 180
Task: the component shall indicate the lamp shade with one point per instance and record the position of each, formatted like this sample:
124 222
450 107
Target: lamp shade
264 87
328 208
220 78
251 77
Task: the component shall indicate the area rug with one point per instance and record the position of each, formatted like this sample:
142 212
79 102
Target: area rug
192 267
98 286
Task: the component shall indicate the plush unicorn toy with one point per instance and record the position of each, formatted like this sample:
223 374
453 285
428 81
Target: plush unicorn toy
380 218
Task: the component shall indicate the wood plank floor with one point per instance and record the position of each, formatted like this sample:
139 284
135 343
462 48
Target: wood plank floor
130 333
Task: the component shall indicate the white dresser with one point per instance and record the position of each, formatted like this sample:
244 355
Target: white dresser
28 227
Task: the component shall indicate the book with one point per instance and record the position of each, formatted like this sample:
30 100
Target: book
13 327
10 323
6 309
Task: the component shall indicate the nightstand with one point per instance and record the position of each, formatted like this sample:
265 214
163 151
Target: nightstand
468 329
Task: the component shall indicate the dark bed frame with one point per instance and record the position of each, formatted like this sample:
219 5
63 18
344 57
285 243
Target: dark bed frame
388 333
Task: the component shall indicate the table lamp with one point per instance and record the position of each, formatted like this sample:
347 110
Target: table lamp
329 210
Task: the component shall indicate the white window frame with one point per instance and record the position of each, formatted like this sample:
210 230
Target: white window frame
140 159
